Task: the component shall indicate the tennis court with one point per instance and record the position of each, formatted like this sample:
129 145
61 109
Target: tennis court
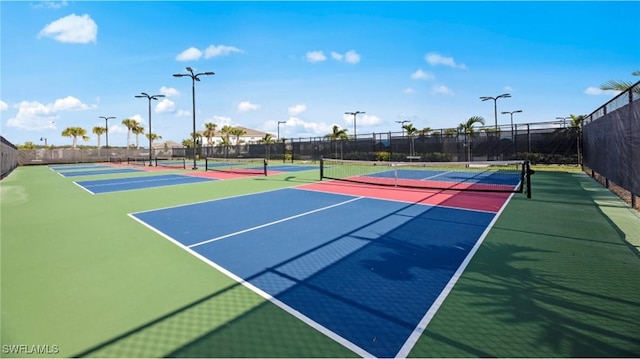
285 265
400 257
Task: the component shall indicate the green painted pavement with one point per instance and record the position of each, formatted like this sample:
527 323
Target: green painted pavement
555 277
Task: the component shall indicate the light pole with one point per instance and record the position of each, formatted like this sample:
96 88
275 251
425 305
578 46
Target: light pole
402 125
279 122
45 141
511 113
495 104
194 78
564 119
354 120
106 127
149 97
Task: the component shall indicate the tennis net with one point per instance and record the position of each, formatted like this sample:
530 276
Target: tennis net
489 176
137 161
173 162
255 166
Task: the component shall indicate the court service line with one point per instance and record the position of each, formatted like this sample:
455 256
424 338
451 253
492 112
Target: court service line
274 222
115 183
438 175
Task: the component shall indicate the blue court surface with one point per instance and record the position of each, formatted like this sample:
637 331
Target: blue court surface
131 183
77 167
368 273
100 171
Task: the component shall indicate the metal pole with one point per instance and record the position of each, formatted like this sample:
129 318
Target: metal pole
150 148
193 102
106 127
495 111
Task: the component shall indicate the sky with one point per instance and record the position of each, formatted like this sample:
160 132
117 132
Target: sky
304 64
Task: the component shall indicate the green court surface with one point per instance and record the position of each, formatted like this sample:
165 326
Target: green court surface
557 276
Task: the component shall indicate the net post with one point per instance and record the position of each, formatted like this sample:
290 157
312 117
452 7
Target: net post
528 174
321 168
395 175
265 166
206 164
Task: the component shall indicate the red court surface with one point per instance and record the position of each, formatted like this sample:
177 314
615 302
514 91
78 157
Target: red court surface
481 201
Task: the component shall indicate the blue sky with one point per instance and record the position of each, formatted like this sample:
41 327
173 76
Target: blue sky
67 63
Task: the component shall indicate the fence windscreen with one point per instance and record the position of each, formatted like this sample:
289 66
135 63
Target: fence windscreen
611 139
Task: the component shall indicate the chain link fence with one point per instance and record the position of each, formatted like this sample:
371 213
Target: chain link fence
544 143
9 155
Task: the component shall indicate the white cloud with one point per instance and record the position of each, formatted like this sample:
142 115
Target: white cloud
351 57
297 110
70 103
169 91
189 54
422 75
220 50
72 29
37 116
183 113
34 116
442 90
3 106
362 120
246 106
221 121
408 90
165 105
118 129
435 59
50 4
596 91
303 128
315 56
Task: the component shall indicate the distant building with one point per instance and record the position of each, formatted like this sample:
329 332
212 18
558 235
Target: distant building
250 137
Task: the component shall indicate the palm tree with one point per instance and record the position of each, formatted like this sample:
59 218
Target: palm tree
621 85
99 131
75 132
575 127
468 130
411 131
137 130
237 131
187 142
337 134
226 132
152 137
210 132
224 141
129 123
267 140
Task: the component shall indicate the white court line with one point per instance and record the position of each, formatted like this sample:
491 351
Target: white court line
439 174
305 319
422 325
140 181
274 222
